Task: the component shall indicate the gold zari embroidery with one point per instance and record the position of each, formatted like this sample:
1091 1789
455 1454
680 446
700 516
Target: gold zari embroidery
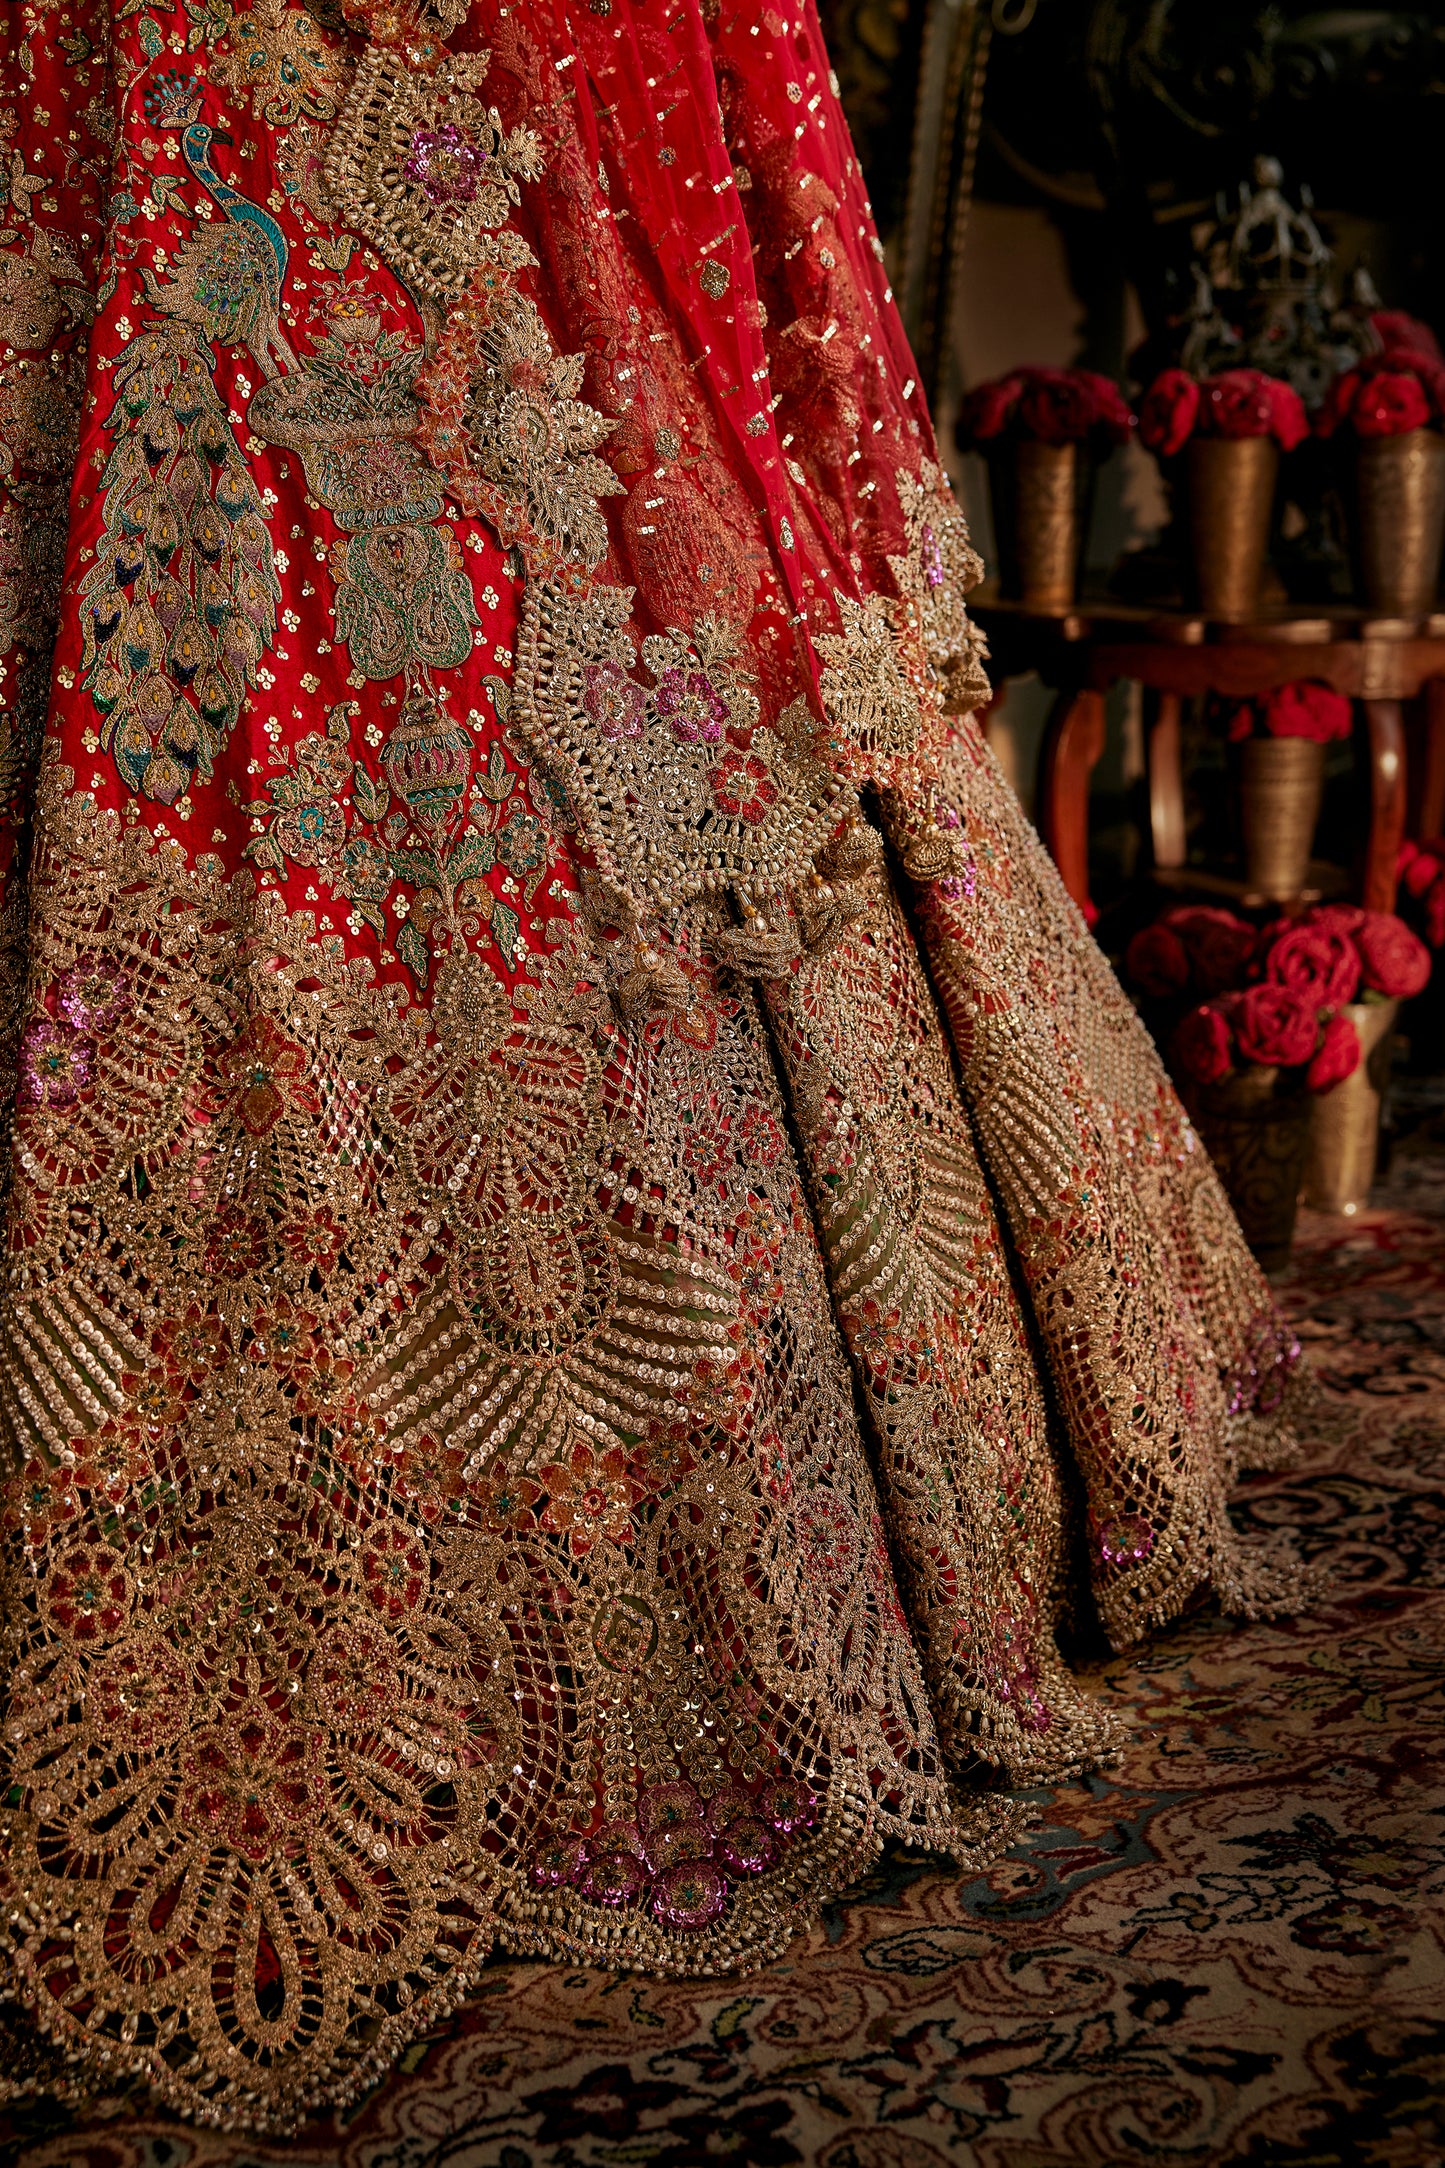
551 1448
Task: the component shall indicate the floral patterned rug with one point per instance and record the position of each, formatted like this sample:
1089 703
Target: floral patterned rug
1229 1951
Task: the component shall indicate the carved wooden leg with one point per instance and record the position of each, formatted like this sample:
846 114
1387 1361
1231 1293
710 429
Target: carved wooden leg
1432 781
1166 783
1386 723
1072 745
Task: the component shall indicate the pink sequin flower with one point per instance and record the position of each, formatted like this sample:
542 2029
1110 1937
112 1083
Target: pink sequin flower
444 165
57 1063
95 994
691 1894
614 703
691 704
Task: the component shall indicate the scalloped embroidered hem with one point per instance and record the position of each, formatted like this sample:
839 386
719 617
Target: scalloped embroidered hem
850 1837
1070 1736
1258 1578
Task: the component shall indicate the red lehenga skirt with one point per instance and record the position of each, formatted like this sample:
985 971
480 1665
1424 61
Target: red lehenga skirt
595 1256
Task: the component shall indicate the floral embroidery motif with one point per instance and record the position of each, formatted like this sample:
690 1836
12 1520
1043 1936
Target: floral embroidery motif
350 413
937 571
278 54
426 822
871 687
644 763
425 170
900 667
507 428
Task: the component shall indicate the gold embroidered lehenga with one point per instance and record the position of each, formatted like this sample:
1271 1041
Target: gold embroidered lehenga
595 1255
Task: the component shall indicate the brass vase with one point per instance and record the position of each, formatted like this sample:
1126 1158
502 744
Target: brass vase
1281 784
1230 483
1257 1134
1041 495
1345 1120
1400 521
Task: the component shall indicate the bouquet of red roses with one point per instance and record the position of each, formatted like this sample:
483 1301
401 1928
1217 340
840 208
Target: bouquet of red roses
1306 971
1346 953
1402 387
1051 406
1269 1026
1235 403
1302 710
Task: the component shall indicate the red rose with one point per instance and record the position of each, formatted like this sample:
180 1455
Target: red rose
1435 914
1168 412
1428 371
1307 710
1112 414
1219 945
1287 417
1236 403
1055 407
1418 866
1389 403
1338 1056
1400 334
988 409
1394 961
1319 963
1247 403
1342 917
1155 960
1338 403
1274 1027
1200 1047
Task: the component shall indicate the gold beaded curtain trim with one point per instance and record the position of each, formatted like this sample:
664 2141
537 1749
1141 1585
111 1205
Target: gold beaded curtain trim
585 1219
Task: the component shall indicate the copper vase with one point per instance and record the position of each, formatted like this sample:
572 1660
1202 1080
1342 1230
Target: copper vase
1231 495
1400 520
1041 495
1257 1135
1281 784
1345 1120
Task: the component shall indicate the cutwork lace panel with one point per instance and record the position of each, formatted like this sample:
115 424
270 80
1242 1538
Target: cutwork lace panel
585 1219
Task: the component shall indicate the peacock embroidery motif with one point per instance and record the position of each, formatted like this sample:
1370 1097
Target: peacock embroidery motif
179 605
227 283
182 600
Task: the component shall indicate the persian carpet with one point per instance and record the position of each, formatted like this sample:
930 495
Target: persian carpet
1227 1951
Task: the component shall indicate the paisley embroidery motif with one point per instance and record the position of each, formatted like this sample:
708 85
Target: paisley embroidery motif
403 600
